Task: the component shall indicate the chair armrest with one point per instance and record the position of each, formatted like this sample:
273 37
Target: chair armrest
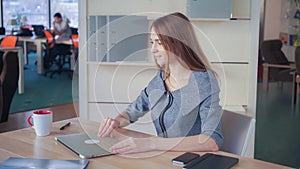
297 78
293 64
279 66
293 72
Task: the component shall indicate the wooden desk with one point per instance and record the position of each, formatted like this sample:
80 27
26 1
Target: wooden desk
24 143
39 51
21 65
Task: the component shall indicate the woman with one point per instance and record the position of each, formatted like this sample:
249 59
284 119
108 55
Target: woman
183 97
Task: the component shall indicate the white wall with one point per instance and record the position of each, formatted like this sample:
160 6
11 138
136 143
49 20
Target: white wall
272 19
278 14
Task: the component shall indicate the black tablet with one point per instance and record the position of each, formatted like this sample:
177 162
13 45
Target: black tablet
213 161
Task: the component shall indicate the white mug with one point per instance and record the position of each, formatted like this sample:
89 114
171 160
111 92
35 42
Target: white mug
41 122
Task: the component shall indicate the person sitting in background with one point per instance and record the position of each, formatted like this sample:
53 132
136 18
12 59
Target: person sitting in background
61 30
61 26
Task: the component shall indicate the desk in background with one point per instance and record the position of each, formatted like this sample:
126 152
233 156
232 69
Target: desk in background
21 65
39 51
38 43
24 143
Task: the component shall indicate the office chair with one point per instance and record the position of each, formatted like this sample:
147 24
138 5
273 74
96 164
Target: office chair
2 31
75 43
275 63
9 74
74 31
56 54
296 77
9 41
237 130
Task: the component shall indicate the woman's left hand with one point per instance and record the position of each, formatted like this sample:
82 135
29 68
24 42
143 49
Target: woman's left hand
133 145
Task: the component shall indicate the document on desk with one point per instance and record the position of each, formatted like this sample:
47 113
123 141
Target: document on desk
29 163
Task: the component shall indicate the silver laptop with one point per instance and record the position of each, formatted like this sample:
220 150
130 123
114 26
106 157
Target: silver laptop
86 145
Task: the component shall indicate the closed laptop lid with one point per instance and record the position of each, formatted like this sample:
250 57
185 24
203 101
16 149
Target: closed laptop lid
87 146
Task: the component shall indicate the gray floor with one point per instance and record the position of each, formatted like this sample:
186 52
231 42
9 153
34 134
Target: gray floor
278 126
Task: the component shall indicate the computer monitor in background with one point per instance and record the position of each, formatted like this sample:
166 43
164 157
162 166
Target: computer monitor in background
38 30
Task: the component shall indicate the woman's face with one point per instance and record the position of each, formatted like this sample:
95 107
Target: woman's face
159 53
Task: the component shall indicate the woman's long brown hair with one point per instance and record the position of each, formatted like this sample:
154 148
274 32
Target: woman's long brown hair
178 37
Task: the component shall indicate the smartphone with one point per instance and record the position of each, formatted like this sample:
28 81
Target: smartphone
185 158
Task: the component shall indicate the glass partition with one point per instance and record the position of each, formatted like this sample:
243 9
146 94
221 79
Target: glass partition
68 9
36 12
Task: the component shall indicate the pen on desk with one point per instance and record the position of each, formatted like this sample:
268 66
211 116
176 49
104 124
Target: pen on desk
64 126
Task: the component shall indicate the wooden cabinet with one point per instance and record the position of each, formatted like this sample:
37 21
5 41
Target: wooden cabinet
225 41
118 82
113 86
106 80
241 9
209 9
233 82
134 7
106 88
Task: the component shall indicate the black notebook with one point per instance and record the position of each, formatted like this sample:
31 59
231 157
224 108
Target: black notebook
212 161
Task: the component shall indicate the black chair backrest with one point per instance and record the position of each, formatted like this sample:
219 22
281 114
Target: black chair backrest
237 130
9 74
2 31
74 31
297 59
272 53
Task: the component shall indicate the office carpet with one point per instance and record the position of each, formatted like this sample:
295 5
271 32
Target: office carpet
277 137
41 91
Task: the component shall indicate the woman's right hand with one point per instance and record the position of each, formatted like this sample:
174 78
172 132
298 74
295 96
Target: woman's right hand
107 126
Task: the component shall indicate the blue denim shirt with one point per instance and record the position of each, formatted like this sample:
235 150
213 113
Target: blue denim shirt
191 110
